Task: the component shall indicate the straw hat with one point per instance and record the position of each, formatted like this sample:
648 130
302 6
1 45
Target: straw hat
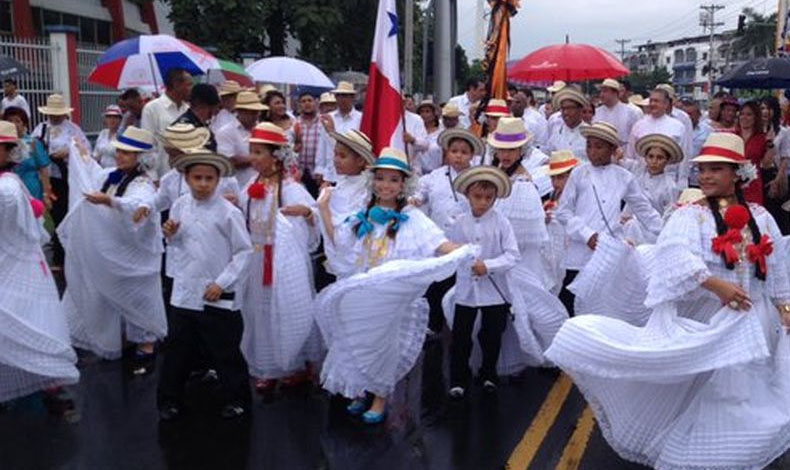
265 88
561 161
722 147
459 133
8 133
690 196
491 174
229 87
358 142
204 156
186 136
665 143
668 88
113 110
56 106
268 133
428 103
134 139
391 158
344 88
497 108
603 131
451 110
557 86
510 133
569 93
638 100
327 98
249 101
610 83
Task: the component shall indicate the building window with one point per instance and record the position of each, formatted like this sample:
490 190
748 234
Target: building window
679 57
91 31
669 60
103 35
6 26
704 56
691 55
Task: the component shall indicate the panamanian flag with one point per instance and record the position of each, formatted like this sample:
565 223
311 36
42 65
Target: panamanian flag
383 112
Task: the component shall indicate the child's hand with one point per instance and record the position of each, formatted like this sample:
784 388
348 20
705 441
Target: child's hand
98 198
213 291
592 243
140 214
230 197
170 227
479 268
324 197
296 210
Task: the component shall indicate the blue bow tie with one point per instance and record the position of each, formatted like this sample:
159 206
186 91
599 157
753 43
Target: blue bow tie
378 215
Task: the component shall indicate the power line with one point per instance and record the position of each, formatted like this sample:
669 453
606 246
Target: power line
708 20
622 43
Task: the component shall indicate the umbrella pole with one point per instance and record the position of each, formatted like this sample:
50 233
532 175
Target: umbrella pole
153 73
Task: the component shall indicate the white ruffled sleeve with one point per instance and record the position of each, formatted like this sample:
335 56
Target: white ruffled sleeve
419 237
139 193
295 194
341 260
675 266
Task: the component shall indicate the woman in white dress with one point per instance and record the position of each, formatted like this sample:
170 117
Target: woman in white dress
374 320
706 382
104 150
35 350
280 339
114 246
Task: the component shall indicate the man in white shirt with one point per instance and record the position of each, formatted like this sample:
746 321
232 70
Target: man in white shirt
658 122
613 111
341 121
701 132
11 98
522 106
233 138
546 109
228 91
416 136
675 111
567 136
161 112
475 90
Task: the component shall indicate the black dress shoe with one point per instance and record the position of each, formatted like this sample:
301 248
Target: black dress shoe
169 413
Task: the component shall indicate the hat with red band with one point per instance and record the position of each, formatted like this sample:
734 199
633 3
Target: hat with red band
268 133
723 147
497 108
8 133
562 161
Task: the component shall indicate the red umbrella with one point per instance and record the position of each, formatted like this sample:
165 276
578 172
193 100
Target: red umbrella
568 62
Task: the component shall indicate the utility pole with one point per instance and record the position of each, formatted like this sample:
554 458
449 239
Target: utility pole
622 43
707 19
408 51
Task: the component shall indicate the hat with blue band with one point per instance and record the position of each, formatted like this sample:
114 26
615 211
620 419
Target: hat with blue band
393 159
134 139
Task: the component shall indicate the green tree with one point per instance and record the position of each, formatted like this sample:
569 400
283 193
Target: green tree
758 36
643 82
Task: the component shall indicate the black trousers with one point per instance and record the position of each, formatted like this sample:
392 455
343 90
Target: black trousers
216 332
434 295
309 183
492 325
566 297
58 211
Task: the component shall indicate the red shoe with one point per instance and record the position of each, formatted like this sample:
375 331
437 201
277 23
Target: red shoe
297 379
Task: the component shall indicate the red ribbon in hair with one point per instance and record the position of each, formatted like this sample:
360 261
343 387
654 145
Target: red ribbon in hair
758 252
725 244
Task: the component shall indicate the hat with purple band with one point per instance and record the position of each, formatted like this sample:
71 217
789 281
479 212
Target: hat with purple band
510 133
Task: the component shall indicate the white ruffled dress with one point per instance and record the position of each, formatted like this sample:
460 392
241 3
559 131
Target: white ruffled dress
280 334
35 349
374 322
700 386
112 264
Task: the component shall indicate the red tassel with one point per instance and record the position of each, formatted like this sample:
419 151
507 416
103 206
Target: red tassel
724 244
268 256
758 252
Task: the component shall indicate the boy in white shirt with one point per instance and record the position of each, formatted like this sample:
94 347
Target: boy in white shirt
484 287
205 315
592 201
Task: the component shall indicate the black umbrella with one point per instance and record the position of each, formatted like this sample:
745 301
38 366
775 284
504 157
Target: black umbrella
765 73
11 67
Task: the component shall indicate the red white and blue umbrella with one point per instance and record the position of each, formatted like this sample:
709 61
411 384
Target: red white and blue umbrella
143 62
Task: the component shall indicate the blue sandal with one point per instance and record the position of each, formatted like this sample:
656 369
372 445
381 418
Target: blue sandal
356 407
372 417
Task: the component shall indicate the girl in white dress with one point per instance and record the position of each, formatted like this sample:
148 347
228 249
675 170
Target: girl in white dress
372 319
280 337
706 382
35 350
114 249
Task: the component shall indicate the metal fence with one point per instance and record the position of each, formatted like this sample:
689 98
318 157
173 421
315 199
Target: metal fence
37 55
93 98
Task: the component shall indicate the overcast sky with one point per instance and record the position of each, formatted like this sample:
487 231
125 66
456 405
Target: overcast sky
599 22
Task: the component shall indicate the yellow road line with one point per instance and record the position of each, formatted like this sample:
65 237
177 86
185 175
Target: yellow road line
526 449
574 450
